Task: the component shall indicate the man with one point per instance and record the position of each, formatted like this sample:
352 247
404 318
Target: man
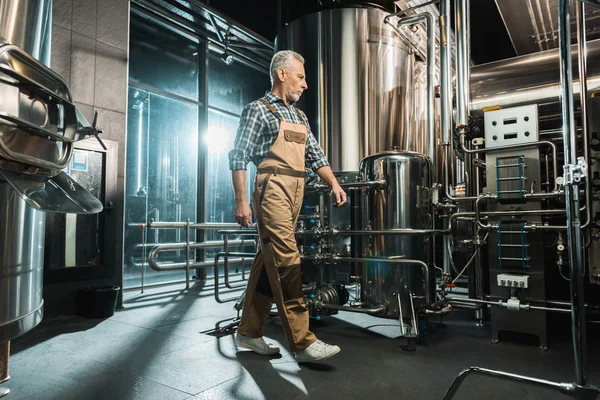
275 136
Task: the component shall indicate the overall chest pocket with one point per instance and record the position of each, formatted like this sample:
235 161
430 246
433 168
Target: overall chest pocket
293 136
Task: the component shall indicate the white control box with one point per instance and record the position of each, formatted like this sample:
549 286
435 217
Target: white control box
512 280
508 126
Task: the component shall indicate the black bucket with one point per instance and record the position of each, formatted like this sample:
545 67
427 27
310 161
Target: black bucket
97 302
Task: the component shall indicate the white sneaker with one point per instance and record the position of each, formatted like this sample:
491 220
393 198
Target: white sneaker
258 345
318 351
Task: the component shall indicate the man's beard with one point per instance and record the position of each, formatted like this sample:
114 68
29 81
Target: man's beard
293 97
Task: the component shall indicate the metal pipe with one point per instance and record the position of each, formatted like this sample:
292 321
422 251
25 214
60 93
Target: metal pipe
252 232
503 304
583 101
572 201
181 266
461 14
216 273
445 72
143 256
380 184
446 100
517 146
424 267
427 17
407 10
187 254
411 232
196 225
447 160
506 213
563 387
370 311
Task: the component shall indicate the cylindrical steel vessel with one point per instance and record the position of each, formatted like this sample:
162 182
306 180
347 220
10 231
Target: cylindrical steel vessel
360 74
27 24
21 264
404 203
529 79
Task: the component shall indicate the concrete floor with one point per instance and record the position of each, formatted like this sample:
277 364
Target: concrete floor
153 350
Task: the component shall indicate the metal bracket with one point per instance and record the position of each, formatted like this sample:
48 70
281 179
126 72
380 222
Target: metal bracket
575 173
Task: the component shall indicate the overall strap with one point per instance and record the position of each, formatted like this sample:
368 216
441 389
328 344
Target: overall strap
299 114
270 107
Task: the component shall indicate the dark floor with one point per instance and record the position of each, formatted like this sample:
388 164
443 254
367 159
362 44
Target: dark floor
153 350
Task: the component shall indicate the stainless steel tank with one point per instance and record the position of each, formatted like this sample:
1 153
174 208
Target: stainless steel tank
28 24
404 203
25 23
360 76
21 264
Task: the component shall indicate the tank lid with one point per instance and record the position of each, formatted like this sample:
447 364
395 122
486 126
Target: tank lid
394 152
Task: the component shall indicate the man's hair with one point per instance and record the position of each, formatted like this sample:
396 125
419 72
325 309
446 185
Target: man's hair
283 59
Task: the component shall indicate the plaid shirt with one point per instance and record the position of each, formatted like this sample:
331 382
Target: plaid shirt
259 129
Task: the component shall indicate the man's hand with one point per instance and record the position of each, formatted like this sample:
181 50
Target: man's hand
339 194
243 214
327 175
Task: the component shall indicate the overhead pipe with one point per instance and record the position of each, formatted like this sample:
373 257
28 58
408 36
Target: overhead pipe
407 10
427 17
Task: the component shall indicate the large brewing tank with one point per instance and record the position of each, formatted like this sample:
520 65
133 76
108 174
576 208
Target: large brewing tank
27 24
361 91
404 203
530 79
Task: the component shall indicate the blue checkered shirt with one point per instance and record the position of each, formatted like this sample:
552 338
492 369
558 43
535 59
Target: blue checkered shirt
259 129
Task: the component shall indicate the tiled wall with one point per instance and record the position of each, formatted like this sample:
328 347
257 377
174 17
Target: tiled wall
90 41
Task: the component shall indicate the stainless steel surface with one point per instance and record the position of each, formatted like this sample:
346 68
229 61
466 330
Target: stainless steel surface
445 72
35 106
57 194
530 79
584 103
463 57
402 204
361 96
532 24
27 24
431 145
578 326
405 10
21 264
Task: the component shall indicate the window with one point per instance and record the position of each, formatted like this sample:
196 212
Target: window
162 145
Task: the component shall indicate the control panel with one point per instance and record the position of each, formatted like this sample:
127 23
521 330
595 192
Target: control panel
515 125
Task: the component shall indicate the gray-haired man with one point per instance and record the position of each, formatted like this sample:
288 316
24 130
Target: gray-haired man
276 136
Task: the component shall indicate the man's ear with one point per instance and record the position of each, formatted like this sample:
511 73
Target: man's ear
281 74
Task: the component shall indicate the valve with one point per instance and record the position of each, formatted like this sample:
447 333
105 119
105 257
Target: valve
595 141
596 180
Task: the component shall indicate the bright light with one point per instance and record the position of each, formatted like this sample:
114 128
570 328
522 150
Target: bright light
217 139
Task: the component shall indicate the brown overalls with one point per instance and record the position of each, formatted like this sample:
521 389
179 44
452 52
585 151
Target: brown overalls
275 274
